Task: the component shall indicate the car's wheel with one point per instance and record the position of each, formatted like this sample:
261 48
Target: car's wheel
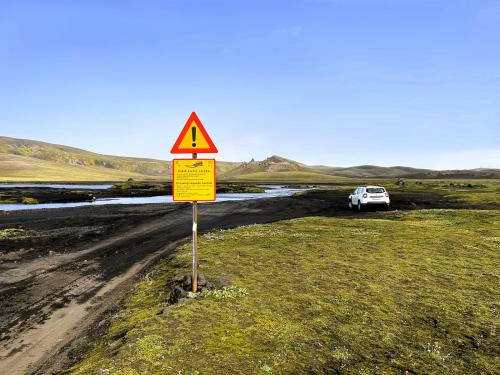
359 205
387 207
350 204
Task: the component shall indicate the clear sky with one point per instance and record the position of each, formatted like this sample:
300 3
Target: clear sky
334 82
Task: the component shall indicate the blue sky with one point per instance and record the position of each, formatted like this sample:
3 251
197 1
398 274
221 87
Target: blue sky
334 82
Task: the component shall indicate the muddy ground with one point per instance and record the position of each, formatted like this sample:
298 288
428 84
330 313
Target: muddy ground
64 271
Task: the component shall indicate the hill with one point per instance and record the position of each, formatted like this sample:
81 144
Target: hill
370 171
28 160
276 169
373 171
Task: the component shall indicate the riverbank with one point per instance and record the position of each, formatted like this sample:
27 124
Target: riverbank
29 195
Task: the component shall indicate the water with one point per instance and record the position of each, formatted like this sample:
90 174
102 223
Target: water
270 191
55 186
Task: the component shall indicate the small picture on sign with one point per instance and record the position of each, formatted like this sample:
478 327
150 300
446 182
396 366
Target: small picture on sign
196 164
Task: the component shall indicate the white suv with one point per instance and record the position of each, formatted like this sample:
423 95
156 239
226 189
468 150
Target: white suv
369 195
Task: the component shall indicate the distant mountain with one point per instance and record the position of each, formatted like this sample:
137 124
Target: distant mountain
276 169
273 164
27 160
373 171
370 171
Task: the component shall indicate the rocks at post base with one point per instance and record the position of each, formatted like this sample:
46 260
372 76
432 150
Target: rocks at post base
182 287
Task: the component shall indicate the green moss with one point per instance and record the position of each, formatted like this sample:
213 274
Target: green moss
7 199
127 185
24 150
298 186
387 292
28 200
239 188
11 233
225 292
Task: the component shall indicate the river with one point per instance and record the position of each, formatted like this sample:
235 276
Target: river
270 191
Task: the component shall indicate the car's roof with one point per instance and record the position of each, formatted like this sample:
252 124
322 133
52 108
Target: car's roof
371 186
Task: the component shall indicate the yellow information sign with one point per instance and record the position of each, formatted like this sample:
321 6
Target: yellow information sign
193 180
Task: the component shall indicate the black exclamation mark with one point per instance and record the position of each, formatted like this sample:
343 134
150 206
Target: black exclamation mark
193 135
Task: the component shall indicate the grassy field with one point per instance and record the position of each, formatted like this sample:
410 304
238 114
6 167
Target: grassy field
469 192
373 293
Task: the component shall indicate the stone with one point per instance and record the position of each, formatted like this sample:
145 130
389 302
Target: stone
176 294
202 281
186 282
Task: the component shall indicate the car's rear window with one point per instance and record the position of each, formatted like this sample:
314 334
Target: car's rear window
375 190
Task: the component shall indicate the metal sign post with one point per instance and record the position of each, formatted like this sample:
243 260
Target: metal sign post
194 273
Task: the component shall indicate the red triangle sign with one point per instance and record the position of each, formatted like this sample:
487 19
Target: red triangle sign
193 139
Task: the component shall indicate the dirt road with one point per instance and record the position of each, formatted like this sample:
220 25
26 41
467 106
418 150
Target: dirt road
63 270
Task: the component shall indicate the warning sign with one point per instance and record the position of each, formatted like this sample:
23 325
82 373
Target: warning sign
193 138
193 180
